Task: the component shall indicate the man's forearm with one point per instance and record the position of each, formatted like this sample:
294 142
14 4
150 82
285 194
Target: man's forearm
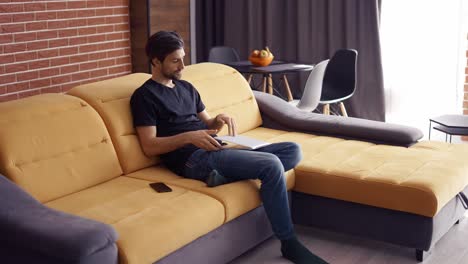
214 124
162 145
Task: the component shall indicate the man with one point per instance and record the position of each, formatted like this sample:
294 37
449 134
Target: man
171 121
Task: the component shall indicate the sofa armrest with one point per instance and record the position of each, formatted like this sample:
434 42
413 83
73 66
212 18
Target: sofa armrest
278 114
28 225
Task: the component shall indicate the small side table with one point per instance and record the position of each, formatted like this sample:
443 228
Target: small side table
450 125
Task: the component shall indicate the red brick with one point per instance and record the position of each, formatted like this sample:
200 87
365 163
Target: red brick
87 31
90 3
124 60
58 43
88 66
69 69
38 45
77 23
15 48
2 69
60 79
29 93
59 61
39 83
96 38
116 19
104 12
68 32
97 56
16 87
3 90
76 4
11 8
47 34
56 24
13 28
6 18
26 56
56 5
39 64
97 21
465 112
106 63
49 72
23 37
117 69
28 7
8 78
105 29
41 25
53 89
116 2
23 17
105 46
121 44
121 27
116 53
79 58
9 58
6 38
43 54
80 76
465 105
26 76
10 97
114 36
466 79
88 48
126 35
68 51
77 41
465 97
98 73
86 13
16 67
46 16
121 10
67 14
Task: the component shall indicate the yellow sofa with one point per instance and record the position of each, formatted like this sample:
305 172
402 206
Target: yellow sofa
78 153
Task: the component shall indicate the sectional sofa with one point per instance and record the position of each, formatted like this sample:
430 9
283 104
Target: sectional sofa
76 180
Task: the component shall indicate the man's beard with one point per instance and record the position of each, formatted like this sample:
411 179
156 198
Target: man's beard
173 75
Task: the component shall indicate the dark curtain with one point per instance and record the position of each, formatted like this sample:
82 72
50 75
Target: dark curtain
209 26
305 31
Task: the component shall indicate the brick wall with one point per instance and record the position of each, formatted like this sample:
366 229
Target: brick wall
52 46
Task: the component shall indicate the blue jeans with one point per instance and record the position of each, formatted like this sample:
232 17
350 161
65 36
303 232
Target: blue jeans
267 164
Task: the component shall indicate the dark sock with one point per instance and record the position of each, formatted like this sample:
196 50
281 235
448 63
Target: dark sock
293 250
215 179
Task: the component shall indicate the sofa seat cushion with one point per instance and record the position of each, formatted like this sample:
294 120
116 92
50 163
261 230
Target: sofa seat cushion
238 197
419 180
150 225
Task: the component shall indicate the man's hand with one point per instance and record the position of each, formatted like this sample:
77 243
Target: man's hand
222 119
204 140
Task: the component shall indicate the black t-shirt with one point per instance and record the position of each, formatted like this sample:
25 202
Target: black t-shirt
172 111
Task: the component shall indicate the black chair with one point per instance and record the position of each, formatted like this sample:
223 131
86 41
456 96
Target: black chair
223 54
339 82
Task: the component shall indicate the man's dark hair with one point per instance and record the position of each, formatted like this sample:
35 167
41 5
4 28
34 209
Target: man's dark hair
161 44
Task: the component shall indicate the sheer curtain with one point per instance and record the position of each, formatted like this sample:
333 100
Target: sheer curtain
423 56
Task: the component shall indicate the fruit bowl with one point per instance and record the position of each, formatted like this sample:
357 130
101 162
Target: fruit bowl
261 57
257 61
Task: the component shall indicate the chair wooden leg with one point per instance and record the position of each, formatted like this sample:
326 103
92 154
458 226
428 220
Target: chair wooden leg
288 89
270 84
343 109
249 78
326 109
264 84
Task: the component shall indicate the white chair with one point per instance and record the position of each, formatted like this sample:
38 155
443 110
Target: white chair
313 89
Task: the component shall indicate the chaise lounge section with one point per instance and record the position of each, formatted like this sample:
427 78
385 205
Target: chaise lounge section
79 154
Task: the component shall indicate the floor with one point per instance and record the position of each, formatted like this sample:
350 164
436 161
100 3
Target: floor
344 249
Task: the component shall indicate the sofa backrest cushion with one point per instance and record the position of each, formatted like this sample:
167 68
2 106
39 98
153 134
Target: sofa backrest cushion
111 98
53 145
223 90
